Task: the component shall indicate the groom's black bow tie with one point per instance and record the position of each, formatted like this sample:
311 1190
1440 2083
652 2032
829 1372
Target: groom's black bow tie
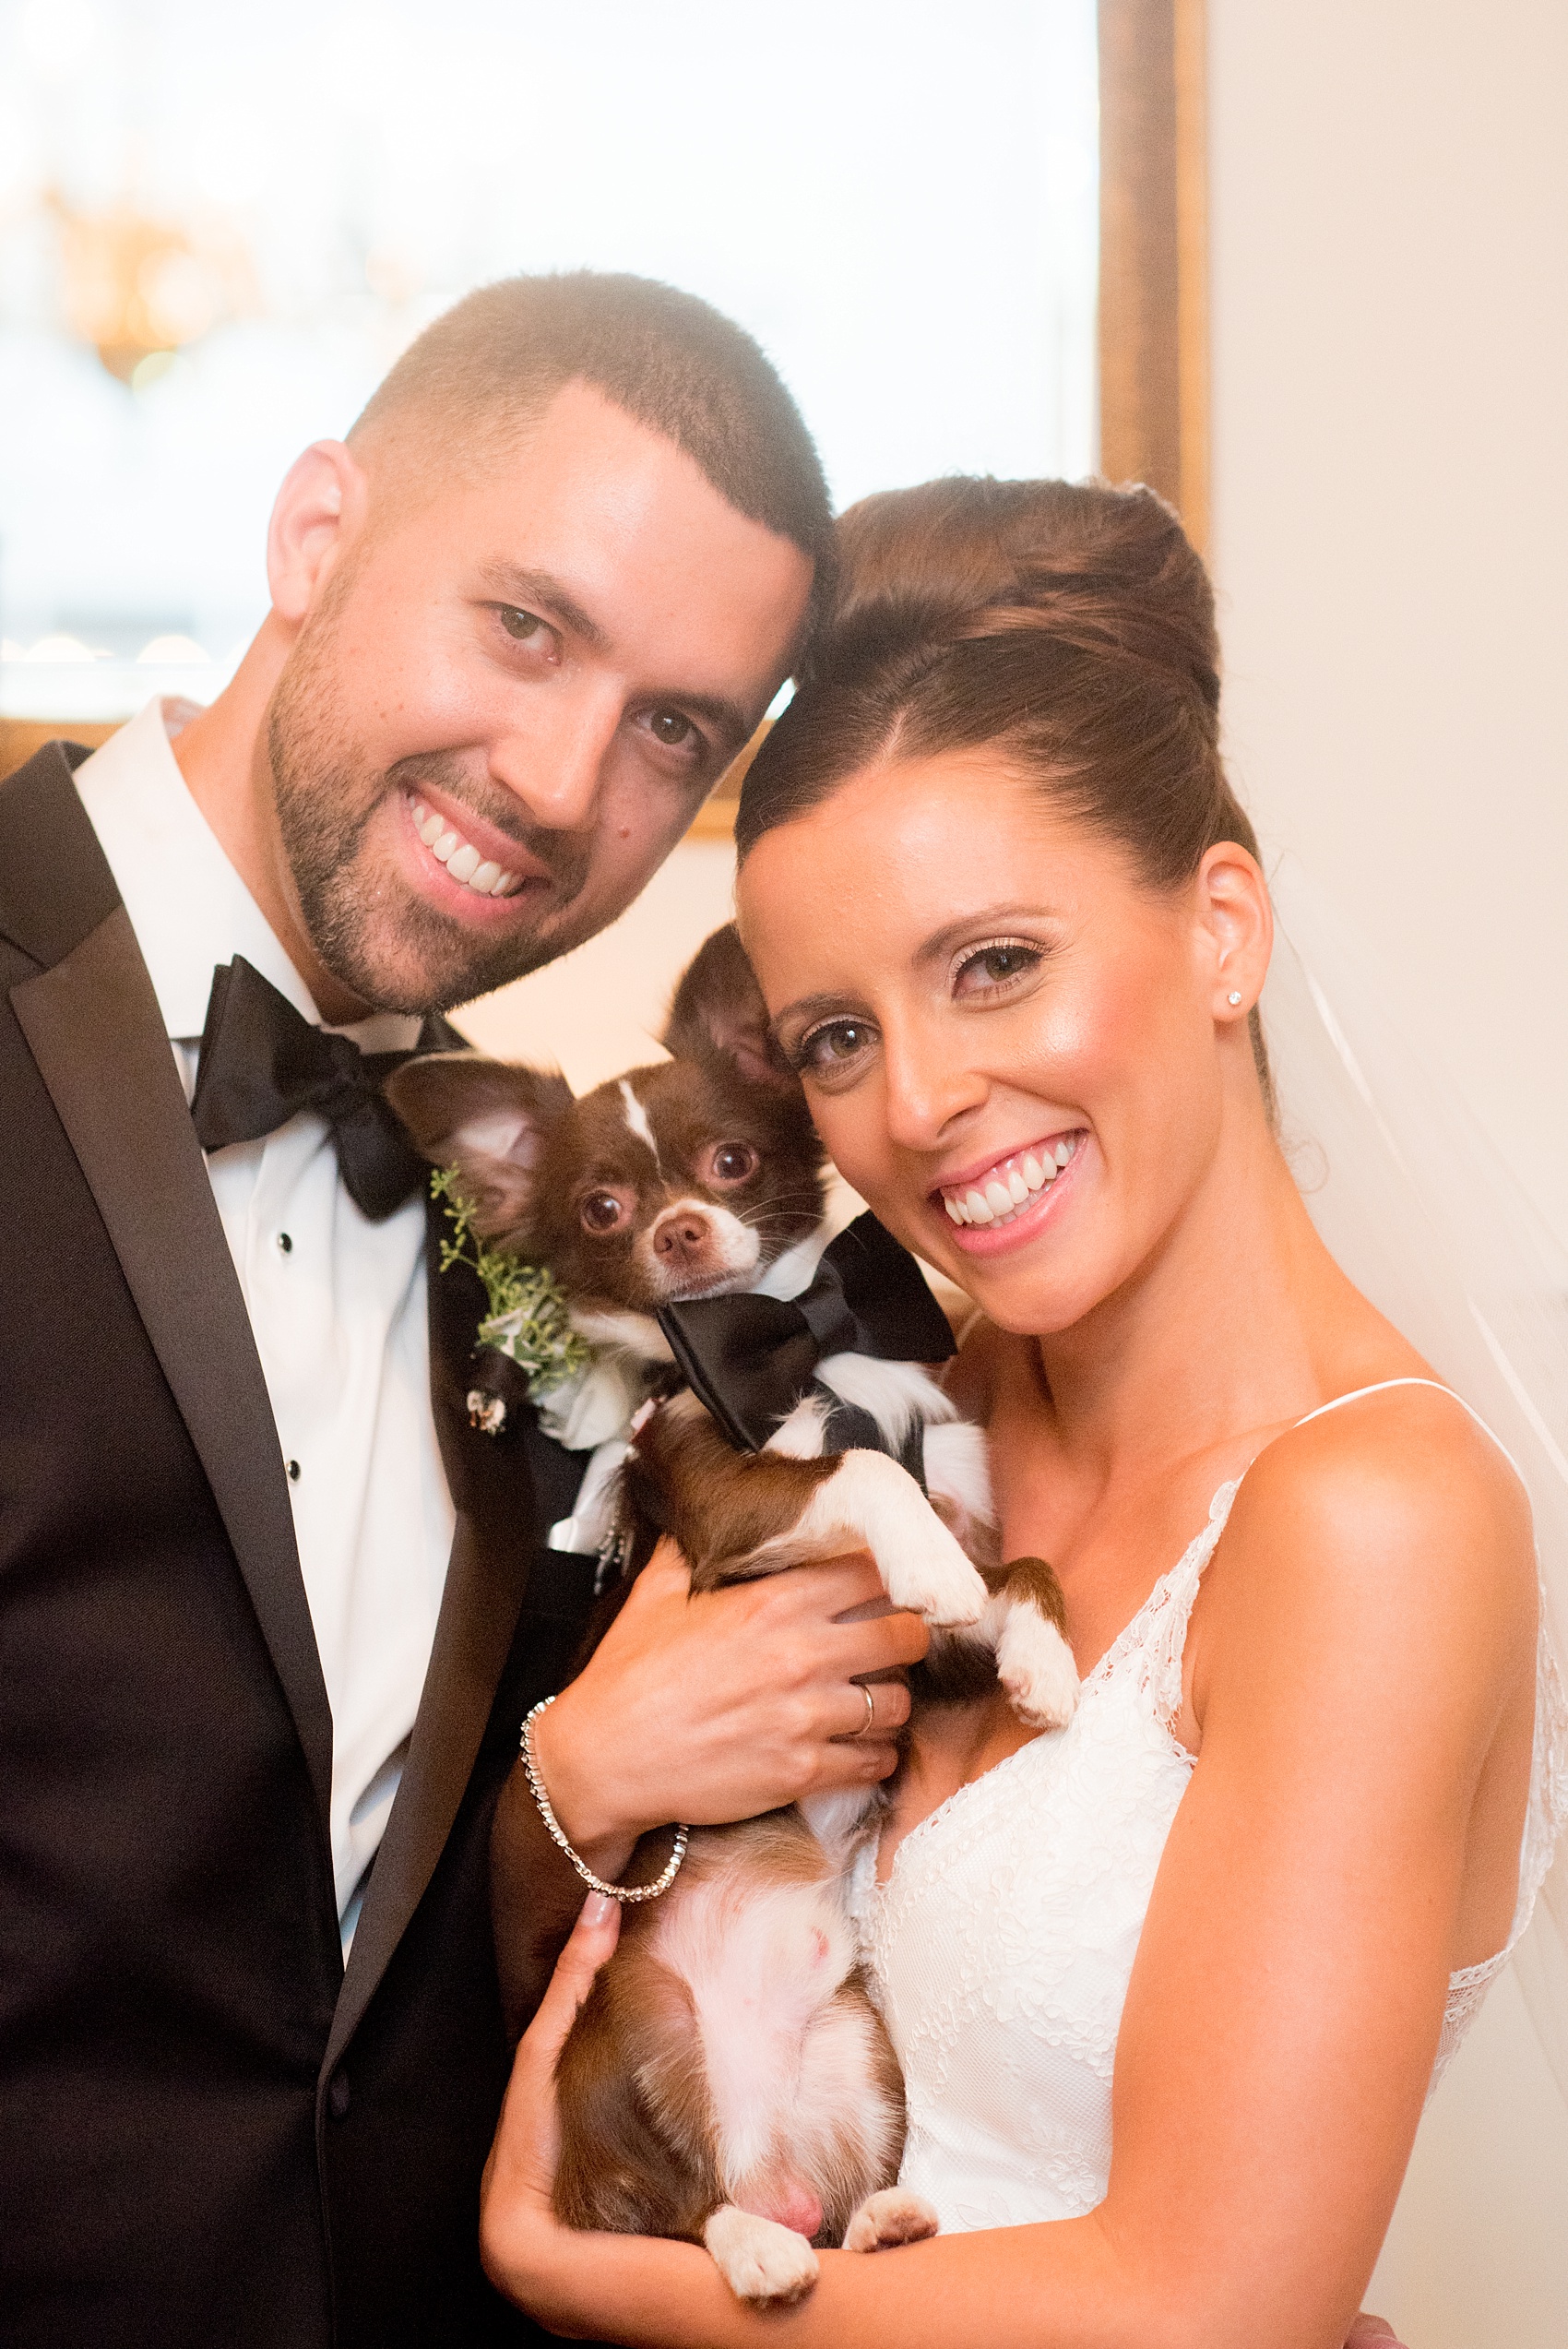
261 1062
751 1359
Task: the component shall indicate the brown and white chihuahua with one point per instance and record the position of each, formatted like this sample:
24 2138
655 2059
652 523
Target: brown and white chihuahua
728 2080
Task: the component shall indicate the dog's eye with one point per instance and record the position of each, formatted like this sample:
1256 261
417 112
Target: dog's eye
601 1211
732 1162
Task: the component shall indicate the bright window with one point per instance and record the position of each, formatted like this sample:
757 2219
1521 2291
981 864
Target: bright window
218 226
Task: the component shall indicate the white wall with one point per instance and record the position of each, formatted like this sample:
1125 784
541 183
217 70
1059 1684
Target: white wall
1389 191
1390 346
597 1011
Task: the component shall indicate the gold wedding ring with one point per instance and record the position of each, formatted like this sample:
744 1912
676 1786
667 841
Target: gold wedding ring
869 1721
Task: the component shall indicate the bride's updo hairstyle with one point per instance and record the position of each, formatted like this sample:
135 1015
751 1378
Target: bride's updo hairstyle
1068 626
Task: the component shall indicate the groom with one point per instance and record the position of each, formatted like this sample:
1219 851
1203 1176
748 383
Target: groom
271 1608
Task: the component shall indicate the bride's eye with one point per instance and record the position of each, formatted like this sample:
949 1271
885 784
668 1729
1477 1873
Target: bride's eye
995 967
835 1049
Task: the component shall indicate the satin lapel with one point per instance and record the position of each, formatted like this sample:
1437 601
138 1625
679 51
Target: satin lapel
493 1489
93 1026
55 884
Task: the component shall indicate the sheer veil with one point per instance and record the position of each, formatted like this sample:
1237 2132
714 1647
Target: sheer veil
1416 1208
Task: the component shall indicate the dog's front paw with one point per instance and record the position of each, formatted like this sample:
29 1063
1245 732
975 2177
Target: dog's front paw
1035 1665
769 2265
893 2216
928 1573
871 1503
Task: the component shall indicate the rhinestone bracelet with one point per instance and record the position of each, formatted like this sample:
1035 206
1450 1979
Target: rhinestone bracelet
631 1893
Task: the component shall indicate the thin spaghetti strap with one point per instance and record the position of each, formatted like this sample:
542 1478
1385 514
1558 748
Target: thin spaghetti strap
1382 1387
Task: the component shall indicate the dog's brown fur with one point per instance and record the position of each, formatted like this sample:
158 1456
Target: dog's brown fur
720 1506
638 2152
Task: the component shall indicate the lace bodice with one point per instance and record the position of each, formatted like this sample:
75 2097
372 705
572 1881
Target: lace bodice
1002 1946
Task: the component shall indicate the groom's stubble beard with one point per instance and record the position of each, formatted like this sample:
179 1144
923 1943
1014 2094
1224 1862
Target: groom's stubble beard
390 948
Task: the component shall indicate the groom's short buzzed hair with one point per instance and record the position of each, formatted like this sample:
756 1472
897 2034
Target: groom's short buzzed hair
483 371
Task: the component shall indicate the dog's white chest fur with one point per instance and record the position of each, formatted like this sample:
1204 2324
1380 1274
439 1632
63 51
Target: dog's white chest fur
789 2064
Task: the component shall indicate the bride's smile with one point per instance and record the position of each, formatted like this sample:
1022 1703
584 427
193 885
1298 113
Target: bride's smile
1000 1193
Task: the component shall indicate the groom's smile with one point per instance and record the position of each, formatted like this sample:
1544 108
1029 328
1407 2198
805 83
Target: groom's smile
458 853
467 849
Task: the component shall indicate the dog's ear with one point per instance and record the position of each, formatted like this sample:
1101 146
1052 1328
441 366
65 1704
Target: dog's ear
487 1118
718 1014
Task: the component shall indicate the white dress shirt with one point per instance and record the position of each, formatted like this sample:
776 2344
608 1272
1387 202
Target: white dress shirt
337 1303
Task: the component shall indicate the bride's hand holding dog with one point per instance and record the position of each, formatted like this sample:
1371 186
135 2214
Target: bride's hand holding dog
525 2248
722 1705
567 2280
705 1709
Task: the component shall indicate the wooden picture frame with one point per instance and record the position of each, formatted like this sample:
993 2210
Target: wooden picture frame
1154 252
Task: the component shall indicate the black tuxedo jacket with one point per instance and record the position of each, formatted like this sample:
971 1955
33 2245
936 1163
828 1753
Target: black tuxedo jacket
210 2136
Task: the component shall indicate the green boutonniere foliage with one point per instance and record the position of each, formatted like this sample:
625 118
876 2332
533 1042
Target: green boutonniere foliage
528 1320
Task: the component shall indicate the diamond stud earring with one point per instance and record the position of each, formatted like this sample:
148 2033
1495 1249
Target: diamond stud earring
1234 997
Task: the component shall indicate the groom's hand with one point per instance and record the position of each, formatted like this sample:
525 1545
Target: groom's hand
719 1706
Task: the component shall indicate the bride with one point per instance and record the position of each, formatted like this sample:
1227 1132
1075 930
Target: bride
1169 1985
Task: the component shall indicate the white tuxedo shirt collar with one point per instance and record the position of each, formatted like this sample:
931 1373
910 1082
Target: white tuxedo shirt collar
187 905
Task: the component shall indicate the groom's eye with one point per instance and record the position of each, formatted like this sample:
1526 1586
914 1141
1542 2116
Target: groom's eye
520 624
671 727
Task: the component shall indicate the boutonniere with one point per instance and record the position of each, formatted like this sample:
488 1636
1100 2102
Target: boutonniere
585 1394
529 1320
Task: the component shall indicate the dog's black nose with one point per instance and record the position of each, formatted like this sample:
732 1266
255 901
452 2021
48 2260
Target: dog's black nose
683 1237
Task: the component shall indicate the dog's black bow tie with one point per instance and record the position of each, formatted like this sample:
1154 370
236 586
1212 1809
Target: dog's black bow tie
262 1063
751 1359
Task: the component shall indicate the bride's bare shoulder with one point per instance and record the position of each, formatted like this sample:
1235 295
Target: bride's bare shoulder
1401 1451
1393 1524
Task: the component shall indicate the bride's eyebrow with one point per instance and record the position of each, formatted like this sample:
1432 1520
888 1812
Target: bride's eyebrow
810 1007
940 945
937 948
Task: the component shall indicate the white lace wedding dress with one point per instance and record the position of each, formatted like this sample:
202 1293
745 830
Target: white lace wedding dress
1000 1947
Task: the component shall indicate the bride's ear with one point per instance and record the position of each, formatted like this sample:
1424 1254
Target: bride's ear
1235 931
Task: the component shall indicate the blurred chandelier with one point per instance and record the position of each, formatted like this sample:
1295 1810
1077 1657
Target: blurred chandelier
141 289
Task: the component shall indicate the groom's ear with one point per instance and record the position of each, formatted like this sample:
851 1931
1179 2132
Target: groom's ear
319 511
490 1120
719 1015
